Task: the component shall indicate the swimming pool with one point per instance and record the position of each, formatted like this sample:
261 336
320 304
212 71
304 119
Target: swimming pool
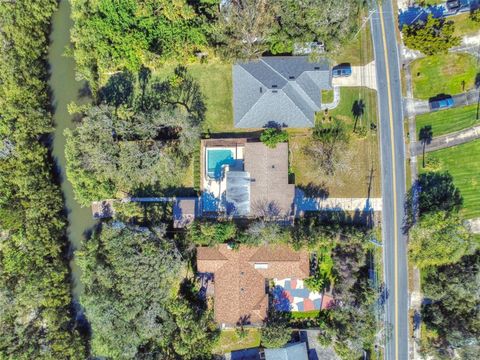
216 158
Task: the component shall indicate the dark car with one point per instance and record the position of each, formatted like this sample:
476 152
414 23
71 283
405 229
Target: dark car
453 4
342 70
439 104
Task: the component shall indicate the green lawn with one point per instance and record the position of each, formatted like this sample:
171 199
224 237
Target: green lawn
229 341
463 163
216 84
327 96
313 314
464 25
447 121
364 149
443 74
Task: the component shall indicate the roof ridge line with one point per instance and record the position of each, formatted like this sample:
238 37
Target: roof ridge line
295 104
273 69
256 101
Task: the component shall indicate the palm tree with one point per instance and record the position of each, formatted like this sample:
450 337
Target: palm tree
425 137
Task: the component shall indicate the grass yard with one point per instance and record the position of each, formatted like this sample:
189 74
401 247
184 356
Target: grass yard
355 182
450 73
215 81
327 96
447 121
359 51
313 314
230 341
463 163
464 25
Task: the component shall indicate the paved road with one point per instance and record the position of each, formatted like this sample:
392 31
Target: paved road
448 140
393 179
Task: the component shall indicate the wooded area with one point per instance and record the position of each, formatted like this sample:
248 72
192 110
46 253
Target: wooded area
442 246
109 36
137 139
36 319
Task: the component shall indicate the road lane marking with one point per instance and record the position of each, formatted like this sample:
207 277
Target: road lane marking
394 179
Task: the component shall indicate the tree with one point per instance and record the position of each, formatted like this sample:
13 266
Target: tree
437 192
129 277
109 35
210 234
141 136
439 238
132 278
244 27
452 312
275 334
435 36
195 334
475 15
272 136
425 137
330 22
327 148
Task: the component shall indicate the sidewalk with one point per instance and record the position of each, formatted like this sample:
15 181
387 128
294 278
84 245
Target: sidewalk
448 140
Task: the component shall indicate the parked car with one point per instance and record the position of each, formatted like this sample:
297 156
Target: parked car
453 4
342 70
444 103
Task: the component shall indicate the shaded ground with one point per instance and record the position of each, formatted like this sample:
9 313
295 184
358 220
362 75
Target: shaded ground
463 163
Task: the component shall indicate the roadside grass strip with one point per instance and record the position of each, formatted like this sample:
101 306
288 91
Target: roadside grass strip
450 120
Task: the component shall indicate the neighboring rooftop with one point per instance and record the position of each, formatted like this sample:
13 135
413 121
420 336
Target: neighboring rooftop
295 351
281 90
257 186
240 278
270 193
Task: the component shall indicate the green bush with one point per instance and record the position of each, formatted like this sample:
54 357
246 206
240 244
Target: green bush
272 136
275 335
211 234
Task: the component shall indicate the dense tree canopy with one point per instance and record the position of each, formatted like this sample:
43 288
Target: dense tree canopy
139 137
248 28
453 310
131 277
111 35
35 300
434 36
438 239
329 21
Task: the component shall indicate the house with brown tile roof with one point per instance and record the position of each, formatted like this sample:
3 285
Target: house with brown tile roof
241 278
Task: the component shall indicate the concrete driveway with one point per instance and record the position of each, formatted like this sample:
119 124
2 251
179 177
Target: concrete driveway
361 76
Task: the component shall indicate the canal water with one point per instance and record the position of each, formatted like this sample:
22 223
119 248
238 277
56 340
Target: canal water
66 90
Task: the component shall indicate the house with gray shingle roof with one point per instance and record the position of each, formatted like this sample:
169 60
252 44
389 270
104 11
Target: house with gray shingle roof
279 91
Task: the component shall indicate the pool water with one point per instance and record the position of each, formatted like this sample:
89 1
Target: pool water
216 158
